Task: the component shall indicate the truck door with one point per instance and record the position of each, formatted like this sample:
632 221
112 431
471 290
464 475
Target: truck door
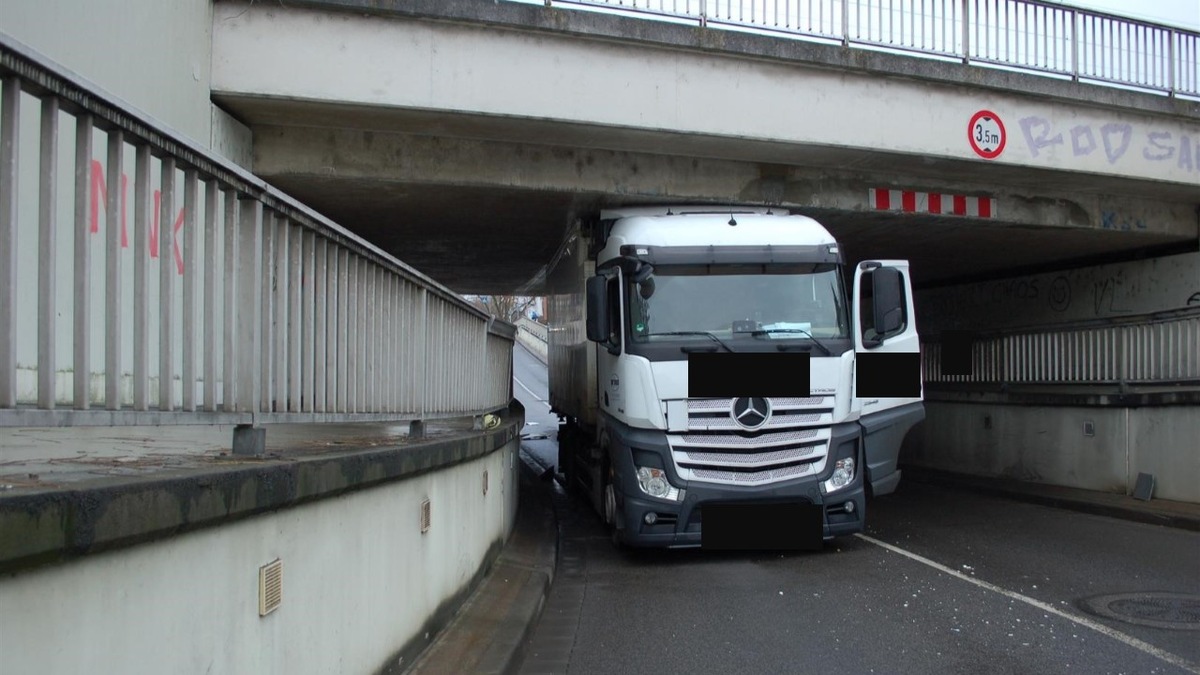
887 381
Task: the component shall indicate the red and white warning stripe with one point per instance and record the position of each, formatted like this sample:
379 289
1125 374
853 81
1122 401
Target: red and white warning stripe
910 201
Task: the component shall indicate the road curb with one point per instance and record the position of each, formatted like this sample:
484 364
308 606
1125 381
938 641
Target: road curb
490 631
1168 513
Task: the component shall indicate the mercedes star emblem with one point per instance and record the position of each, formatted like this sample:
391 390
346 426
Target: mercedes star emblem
751 412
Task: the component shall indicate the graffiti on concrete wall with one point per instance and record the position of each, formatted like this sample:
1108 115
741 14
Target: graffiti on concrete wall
1111 220
1106 291
99 195
1116 142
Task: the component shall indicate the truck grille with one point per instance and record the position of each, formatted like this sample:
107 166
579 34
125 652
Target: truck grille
712 414
716 449
754 477
759 440
778 420
743 459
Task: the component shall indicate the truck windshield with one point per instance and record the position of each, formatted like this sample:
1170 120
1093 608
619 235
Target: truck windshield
781 302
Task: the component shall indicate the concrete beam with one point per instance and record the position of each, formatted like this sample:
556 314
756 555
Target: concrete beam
485 215
364 157
654 81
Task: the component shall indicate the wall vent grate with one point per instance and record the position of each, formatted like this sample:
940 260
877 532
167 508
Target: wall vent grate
270 587
426 519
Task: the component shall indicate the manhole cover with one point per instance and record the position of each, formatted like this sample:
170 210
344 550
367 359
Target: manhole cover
1177 611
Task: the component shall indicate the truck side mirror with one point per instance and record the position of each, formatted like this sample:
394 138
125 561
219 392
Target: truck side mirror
597 308
888 300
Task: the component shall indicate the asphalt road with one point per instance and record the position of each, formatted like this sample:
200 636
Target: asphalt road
944 581
540 433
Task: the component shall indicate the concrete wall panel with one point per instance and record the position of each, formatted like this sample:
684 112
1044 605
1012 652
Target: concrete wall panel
1048 445
1164 443
1041 445
359 582
155 55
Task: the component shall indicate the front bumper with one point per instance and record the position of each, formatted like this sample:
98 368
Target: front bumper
679 524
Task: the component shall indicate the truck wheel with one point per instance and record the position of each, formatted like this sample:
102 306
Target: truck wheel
610 510
567 445
610 505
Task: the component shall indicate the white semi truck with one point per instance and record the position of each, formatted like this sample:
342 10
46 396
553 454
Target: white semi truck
715 383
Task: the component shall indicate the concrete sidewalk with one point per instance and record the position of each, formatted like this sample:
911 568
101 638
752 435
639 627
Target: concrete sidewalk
489 633
1182 515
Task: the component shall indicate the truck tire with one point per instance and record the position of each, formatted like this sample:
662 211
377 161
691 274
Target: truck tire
568 445
610 508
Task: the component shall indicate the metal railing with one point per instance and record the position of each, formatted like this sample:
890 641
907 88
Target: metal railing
1164 349
226 302
1025 34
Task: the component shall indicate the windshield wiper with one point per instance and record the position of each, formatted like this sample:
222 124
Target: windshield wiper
705 333
769 331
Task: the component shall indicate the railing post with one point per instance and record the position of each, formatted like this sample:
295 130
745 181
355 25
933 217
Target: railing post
704 13
166 285
966 31
1171 63
10 106
424 352
82 364
250 305
1074 46
114 212
845 23
47 256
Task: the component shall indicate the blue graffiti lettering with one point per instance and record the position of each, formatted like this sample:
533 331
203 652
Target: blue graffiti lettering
1039 139
1108 131
1111 220
1081 132
1154 139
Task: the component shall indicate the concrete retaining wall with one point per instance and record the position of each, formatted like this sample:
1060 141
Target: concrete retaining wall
1049 444
534 336
363 588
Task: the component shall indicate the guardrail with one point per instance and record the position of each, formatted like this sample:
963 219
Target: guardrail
227 302
1155 350
1026 34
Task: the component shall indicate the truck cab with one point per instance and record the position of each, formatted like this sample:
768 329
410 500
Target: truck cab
711 362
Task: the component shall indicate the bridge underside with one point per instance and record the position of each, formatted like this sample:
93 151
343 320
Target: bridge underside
480 203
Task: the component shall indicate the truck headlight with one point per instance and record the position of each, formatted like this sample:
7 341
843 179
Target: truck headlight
654 483
843 475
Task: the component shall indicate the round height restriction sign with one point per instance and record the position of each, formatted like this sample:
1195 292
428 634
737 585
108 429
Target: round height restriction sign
986 134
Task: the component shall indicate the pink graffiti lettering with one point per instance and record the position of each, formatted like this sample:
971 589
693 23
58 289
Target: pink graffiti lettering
100 196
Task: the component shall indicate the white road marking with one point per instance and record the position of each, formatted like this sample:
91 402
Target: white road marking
1080 620
542 401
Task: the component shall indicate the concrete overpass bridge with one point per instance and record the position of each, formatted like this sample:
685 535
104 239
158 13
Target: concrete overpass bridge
278 242
406 120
